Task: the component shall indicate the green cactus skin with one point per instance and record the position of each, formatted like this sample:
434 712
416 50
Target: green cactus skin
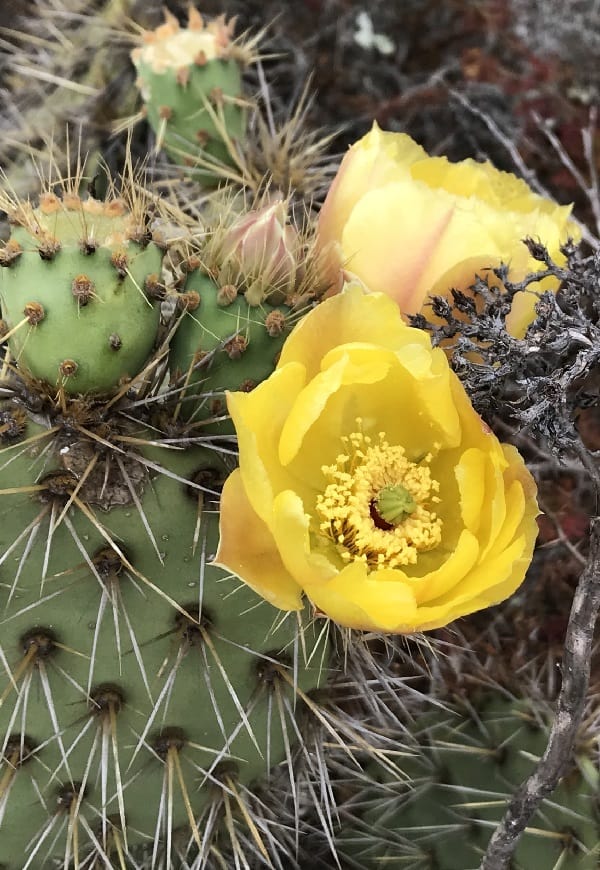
239 343
192 92
77 274
468 762
180 111
181 698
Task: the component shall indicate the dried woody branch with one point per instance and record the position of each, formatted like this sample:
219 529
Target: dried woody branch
570 708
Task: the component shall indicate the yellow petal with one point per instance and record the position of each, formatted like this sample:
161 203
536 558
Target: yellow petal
351 316
328 409
403 238
291 532
248 549
352 364
470 178
492 581
259 417
358 599
450 573
375 160
469 472
521 504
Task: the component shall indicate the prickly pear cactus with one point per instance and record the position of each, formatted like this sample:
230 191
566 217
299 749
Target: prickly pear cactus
143 691
191 85
468 760
87 76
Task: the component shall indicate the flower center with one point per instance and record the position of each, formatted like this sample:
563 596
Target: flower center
376 505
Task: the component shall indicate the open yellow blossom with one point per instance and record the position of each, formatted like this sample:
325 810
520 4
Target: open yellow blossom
368 482
411 225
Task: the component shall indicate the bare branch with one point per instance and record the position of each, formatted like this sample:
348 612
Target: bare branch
571 705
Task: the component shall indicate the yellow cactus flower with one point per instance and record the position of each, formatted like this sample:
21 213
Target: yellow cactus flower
411 225
368 482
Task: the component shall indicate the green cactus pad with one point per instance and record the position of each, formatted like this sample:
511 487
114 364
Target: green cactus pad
73 294
192 91
223 344
130 665
469 760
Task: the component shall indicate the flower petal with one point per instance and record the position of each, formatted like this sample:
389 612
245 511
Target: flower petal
435 231
291 532
351 316
357 365
469 472
449 573
248 549
374 601
507 571
377 159
259 443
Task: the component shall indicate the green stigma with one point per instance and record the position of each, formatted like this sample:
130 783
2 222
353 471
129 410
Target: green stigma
394 504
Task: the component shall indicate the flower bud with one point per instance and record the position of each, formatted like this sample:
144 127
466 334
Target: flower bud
262 247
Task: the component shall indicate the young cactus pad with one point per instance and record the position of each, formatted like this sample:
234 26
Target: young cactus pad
76 292
223 344
140 685
190 82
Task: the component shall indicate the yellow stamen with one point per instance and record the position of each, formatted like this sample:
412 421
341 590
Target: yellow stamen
348 507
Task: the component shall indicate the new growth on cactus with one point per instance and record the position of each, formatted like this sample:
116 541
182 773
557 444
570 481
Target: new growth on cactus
190 80
197 101
244 284
78 290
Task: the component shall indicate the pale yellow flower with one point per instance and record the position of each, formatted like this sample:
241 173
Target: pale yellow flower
410 225
368 482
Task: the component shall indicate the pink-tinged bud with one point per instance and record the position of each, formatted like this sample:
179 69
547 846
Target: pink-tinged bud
263 248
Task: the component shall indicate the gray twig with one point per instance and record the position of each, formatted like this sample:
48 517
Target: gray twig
570 709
